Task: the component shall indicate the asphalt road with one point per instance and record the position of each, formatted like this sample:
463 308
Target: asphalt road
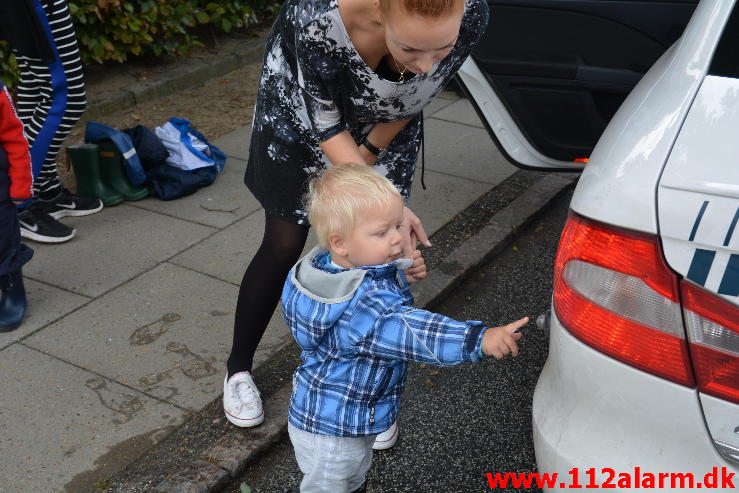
459 423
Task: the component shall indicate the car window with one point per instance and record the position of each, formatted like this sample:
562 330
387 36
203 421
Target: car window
726 59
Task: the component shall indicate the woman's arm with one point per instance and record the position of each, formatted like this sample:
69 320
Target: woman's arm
341 148
382 134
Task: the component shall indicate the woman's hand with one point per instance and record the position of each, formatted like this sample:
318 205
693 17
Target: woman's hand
412 232
417 270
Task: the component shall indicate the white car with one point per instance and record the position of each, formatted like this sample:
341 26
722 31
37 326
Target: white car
641 385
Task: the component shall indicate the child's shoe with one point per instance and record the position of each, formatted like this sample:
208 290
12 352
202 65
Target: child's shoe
37 224
67 204
241 402
13 303
387 438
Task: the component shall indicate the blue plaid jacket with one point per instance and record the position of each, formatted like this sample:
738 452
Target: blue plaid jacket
358 330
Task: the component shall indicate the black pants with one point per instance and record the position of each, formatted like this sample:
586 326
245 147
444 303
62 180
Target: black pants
13 254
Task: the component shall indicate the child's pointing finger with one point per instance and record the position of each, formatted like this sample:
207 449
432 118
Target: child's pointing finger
514 326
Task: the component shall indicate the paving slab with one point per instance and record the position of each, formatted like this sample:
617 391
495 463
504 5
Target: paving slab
45 304
439 103
464 151
448 94
461 111
167 333
236 143
224 202
226 254
445 197
112 247
66 426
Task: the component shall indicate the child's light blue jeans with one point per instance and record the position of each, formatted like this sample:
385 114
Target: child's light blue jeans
331 464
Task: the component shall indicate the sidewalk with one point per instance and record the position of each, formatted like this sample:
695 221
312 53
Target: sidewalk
130 323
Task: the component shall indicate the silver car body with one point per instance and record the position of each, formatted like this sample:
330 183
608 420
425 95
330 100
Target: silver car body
672 147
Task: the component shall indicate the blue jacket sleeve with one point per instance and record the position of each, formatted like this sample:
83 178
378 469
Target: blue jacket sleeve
383 327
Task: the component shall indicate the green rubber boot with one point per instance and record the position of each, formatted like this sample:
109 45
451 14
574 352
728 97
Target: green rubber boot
84 159
113 173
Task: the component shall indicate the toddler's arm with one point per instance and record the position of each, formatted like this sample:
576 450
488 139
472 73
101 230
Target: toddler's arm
404 333
15 145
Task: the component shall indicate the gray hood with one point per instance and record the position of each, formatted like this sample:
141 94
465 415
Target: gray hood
333 287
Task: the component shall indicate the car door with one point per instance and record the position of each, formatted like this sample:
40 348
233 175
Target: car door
548 75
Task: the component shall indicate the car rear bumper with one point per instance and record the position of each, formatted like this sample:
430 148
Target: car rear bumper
590 410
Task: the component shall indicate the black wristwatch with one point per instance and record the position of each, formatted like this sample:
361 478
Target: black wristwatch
379 153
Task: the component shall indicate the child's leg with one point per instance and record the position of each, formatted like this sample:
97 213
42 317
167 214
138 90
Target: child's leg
51 97
331 464
13 254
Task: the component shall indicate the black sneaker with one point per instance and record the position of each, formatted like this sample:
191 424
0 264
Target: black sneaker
66 204
37 224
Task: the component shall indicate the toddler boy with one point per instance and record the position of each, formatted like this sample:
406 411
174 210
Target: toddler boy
349 308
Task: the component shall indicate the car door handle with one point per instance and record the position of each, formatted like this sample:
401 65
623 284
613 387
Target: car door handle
589 73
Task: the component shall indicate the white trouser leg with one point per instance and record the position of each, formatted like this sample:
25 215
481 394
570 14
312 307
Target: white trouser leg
331 464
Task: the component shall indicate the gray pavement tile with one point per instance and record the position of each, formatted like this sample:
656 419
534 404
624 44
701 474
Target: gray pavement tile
236 143
45 304
461 111
112 247
464 151
65 428
445 197
226 254
166 333
224 202
448 94
437 104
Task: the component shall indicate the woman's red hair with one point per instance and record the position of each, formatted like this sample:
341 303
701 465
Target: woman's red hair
426 8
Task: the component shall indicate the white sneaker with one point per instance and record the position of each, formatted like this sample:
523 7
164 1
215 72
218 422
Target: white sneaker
241 401
387 438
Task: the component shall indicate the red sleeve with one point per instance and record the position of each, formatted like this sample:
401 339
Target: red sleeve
16 147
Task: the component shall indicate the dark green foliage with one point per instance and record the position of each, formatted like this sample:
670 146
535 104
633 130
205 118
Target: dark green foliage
114 30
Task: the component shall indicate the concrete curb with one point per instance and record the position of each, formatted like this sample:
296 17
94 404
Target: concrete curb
196 70
491 239
229 455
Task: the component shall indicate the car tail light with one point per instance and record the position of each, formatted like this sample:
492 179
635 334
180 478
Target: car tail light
614 291
713 332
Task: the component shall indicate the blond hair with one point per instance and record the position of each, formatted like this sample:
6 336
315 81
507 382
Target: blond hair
426 8
340 194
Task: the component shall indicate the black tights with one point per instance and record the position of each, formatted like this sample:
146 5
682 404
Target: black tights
261 288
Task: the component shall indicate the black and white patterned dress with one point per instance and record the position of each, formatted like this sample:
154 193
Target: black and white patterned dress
314 85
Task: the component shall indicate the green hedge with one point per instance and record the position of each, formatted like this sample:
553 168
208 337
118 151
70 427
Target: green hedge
114 30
